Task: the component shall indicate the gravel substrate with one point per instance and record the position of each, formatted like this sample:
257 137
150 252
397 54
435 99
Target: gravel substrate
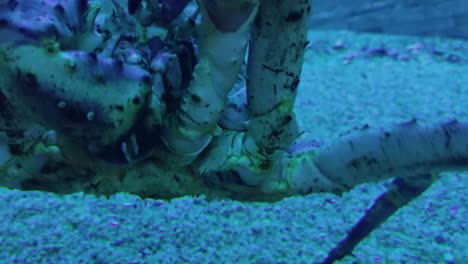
348 80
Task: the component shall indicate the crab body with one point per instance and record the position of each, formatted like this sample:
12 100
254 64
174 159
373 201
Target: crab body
109 99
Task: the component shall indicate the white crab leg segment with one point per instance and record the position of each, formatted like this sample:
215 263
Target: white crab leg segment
224 34
276 55
374 154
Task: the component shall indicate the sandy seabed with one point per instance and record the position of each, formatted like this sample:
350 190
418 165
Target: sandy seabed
348 80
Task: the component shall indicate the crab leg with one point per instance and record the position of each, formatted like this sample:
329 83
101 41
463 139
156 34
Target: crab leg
375 154
276 55
253 162
369 155
399 195
224 34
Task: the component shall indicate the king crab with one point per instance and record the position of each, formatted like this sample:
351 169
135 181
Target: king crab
146 99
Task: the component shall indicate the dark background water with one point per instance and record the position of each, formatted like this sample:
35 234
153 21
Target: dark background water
446 18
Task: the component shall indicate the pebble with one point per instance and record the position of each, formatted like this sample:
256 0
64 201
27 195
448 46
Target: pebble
449 258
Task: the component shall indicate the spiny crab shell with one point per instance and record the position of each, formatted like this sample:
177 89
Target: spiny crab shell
77 87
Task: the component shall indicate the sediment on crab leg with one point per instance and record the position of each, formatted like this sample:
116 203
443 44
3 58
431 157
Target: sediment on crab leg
223 38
